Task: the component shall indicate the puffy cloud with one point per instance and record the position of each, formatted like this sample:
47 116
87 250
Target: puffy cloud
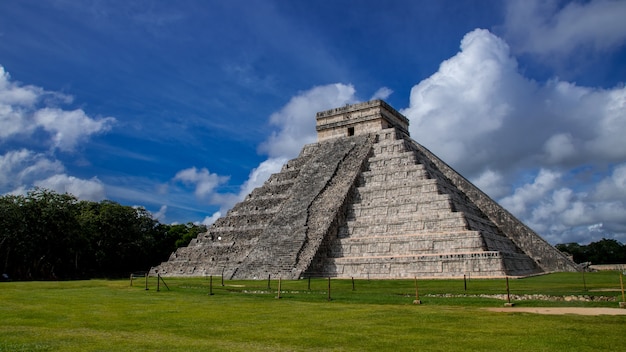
612 187
12 122
531 192
260 174
559 148
382 93
209 220
563 215
492 183
91 189
547 28
13 94
68 128
296 120
492 124
478 102
458 108
160 215
23 167
204 181
29 114
21 114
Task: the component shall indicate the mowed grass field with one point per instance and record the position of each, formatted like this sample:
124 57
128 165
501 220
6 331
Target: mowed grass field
376 315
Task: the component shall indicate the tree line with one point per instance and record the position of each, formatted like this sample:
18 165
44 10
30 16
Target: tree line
50 236
605 251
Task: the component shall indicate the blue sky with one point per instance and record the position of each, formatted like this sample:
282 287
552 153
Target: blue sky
184 107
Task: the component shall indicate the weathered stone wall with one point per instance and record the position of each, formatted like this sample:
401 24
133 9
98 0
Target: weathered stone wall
291 239
546 256
363 118
404 221
230 239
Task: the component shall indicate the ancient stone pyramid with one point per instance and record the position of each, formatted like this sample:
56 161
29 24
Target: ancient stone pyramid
366 201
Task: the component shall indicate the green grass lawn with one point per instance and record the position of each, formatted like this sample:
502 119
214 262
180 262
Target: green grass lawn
103 315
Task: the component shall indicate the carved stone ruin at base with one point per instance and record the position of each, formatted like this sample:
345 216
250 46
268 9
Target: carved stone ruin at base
366 201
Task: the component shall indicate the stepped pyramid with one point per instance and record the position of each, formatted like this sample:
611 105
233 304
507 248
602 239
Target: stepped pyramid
366 201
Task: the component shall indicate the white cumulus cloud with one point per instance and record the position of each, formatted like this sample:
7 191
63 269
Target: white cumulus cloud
296 120
260 174
19 168
209 220
382 93
553 28
91 189
480 114
25 109
204 181
296 127
30 116
68 128
160 215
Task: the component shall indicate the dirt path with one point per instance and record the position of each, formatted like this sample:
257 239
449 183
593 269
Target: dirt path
561 310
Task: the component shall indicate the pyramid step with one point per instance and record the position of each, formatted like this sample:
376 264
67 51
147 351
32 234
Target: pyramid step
409 203
272 189
415 185
269 205
429 191
389 147
245 220
429 202
421 215
358 228
413 244
386 161
284 176
478 264
416 171
404 258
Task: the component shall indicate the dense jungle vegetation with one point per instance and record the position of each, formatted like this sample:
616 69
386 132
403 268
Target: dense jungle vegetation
49 236
605 251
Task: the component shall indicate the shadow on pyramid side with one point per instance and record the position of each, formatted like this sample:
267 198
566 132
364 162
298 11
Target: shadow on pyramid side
366 201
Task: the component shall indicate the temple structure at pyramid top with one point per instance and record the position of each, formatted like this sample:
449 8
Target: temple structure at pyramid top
366 201
358 119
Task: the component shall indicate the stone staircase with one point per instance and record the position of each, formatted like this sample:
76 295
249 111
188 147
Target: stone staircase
291 240
231 238
406 220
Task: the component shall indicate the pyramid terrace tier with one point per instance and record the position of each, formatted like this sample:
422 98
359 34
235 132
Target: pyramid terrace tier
384 162
436 223
398 173
421 243
399 211
440 265
258 205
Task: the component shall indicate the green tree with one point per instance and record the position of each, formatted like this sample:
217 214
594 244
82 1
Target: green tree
39 233
46 235
12 230
120 237
605 251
